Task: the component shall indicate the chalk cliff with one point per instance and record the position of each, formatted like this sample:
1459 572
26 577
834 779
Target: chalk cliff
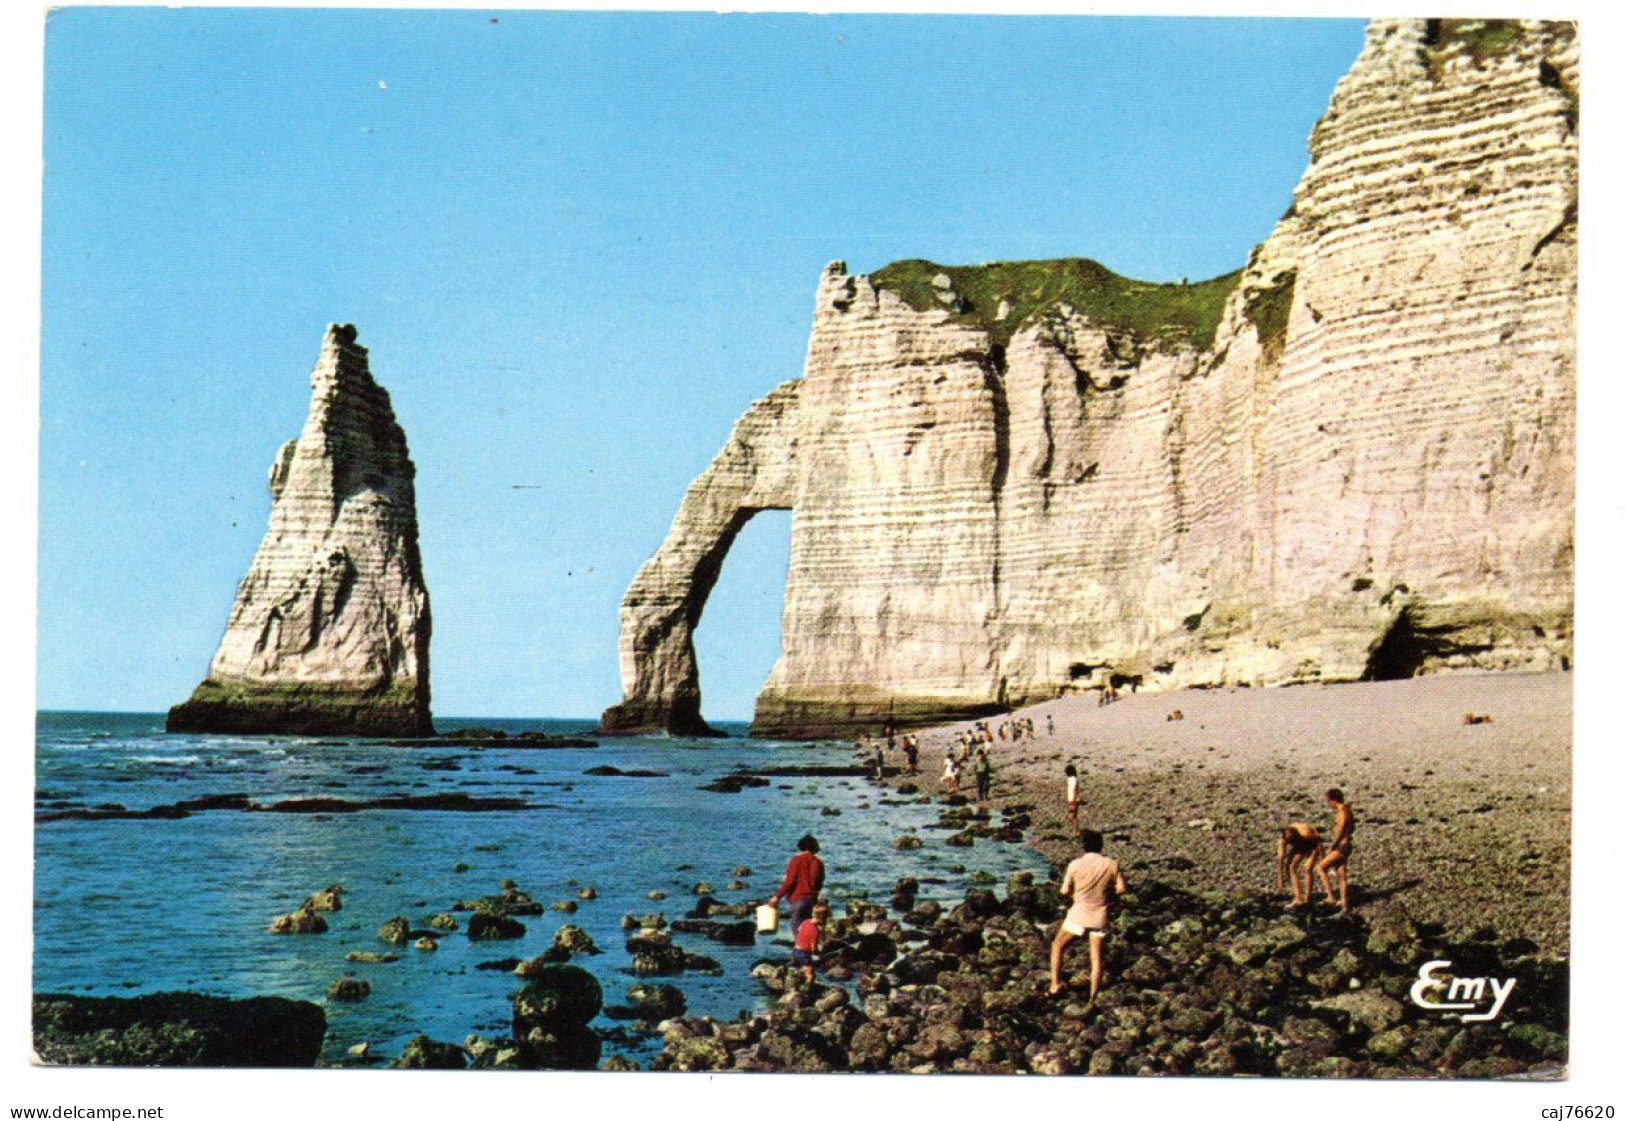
1354 458
330 631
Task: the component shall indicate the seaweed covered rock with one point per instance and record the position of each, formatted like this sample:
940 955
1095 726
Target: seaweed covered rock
550 1018
177 1029
423 1053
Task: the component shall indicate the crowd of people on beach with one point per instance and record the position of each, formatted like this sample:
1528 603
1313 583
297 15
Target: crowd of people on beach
1092 883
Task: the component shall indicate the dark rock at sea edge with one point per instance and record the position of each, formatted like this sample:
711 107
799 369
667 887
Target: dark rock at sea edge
680 719
179 1029
295 709
733 784
494 738
451 802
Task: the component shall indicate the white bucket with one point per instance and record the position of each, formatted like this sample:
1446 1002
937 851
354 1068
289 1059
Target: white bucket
767 919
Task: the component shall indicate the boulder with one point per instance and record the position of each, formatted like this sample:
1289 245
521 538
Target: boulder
573 939
347 990
550 1017
302 921
177 1029
423 1053
483 927
330 898
1372 1011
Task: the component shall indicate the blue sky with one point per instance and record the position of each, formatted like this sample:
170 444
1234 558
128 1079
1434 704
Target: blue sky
577 245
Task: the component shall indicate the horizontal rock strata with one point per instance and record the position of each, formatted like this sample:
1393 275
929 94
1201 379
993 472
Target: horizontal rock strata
329 634
1353 459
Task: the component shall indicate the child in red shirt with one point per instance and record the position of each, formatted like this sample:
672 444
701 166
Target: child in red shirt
807 938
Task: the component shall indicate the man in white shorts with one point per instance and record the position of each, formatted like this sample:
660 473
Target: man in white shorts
1093 882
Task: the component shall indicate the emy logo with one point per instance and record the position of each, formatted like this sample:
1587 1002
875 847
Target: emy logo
1475 998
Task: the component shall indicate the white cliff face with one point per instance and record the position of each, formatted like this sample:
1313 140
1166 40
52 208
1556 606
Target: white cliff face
330 630
1368 472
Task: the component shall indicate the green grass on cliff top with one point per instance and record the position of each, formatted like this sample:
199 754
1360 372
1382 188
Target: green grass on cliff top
1480 38
1171 313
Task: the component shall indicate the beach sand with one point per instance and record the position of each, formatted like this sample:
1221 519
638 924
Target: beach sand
1463 825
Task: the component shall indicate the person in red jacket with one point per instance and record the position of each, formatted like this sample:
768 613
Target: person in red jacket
803 880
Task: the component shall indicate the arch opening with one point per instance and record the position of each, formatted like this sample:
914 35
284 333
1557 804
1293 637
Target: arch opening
737 633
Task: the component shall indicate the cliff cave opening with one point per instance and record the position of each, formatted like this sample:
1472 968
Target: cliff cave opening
737 638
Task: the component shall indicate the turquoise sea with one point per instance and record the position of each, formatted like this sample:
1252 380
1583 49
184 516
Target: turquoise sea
131 906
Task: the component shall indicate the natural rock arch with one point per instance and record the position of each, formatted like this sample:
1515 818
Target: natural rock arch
660 676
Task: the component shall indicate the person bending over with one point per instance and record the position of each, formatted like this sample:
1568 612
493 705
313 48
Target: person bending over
808 935
1297 851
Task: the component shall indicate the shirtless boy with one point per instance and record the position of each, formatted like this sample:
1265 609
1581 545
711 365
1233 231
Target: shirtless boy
1298 851
1336 859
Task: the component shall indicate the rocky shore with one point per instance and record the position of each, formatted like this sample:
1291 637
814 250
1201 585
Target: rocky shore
1200 985
1460 822
1461 857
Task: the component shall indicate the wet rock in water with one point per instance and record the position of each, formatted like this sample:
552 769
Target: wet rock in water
693 1053
442 921
516 902
907 841
567 906
652 960
656 895
177 1029
706 906
703 888
426 945
370 957
302 921
655 1003
925 914
742 870
492 1054
738 885
483 926
397 931
728 933
550 1017
557 996
963 839
619 1064
500 965
423 1053
573 939
733 784
588 893
330 898
651 921
348 990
